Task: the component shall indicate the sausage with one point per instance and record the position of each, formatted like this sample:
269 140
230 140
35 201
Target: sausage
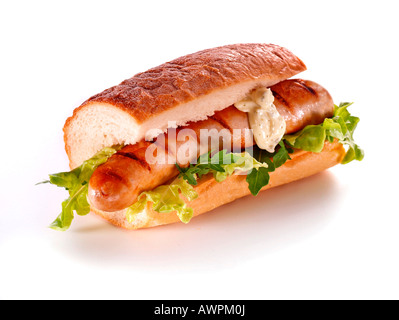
116 184
301 103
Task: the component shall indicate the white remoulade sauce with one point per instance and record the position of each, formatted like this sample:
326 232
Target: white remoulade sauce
267 124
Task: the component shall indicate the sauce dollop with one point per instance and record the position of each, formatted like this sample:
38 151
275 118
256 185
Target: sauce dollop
267 124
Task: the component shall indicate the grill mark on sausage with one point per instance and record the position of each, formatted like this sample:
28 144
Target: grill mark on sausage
114 175
132 156
303 84
281 99
222 123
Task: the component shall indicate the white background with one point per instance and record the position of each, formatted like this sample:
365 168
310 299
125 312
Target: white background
331 236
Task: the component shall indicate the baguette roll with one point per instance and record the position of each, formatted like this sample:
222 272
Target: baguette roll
189 90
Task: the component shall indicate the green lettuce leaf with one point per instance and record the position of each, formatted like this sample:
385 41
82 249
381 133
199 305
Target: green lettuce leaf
260 177
221 165
257 179
311 138
76 183
341 127
166 198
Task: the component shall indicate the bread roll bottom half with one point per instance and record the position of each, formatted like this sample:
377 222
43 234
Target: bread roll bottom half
213 194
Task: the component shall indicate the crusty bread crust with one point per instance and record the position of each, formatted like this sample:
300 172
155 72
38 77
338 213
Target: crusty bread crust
213 194
152 92
190 88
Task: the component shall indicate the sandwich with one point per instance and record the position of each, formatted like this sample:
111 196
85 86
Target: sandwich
195 133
